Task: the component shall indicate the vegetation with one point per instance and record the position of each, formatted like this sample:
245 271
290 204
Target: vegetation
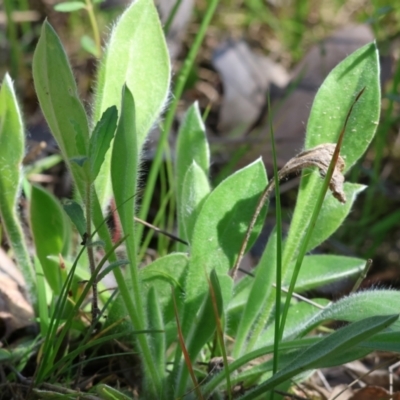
184 312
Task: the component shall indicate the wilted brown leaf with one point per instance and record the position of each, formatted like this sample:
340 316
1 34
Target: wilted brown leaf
320 157
15 311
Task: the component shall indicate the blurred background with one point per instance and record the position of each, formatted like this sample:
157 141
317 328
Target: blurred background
253 49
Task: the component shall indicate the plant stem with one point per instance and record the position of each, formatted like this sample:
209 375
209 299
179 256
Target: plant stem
154 381
95 28
171 16
278 250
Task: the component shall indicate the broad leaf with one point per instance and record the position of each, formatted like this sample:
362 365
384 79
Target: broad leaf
195 189
124 168
101 139
89 45
136 55
219 232
332 214
300 313
328 114
319 270
49 234
76 215
58 97
162 274
12 142
191 147
357 306
334 98
386 341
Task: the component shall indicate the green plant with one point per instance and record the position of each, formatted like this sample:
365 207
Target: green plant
93 46
179 310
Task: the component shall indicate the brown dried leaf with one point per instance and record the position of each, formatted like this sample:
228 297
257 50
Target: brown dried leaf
15 310
320 157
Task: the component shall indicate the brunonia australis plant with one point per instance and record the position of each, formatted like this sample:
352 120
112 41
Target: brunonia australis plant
184 312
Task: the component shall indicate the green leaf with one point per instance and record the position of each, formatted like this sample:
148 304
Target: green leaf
331 217
219 232
76 215
156 323
300 313
162 274
110 267
19 354
191 146
50 395
69 6
356 306
224 217
260 291
109 393
137 55
386 341
43 309
251 375
192 187
324 350
242 290
58 97
12 142
316 271
101 139
328 114
195 189
89 45
291 349
79 160
38 166
201 330
333 101
5 356
320 270
49 233
192 143
332 214
124 167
